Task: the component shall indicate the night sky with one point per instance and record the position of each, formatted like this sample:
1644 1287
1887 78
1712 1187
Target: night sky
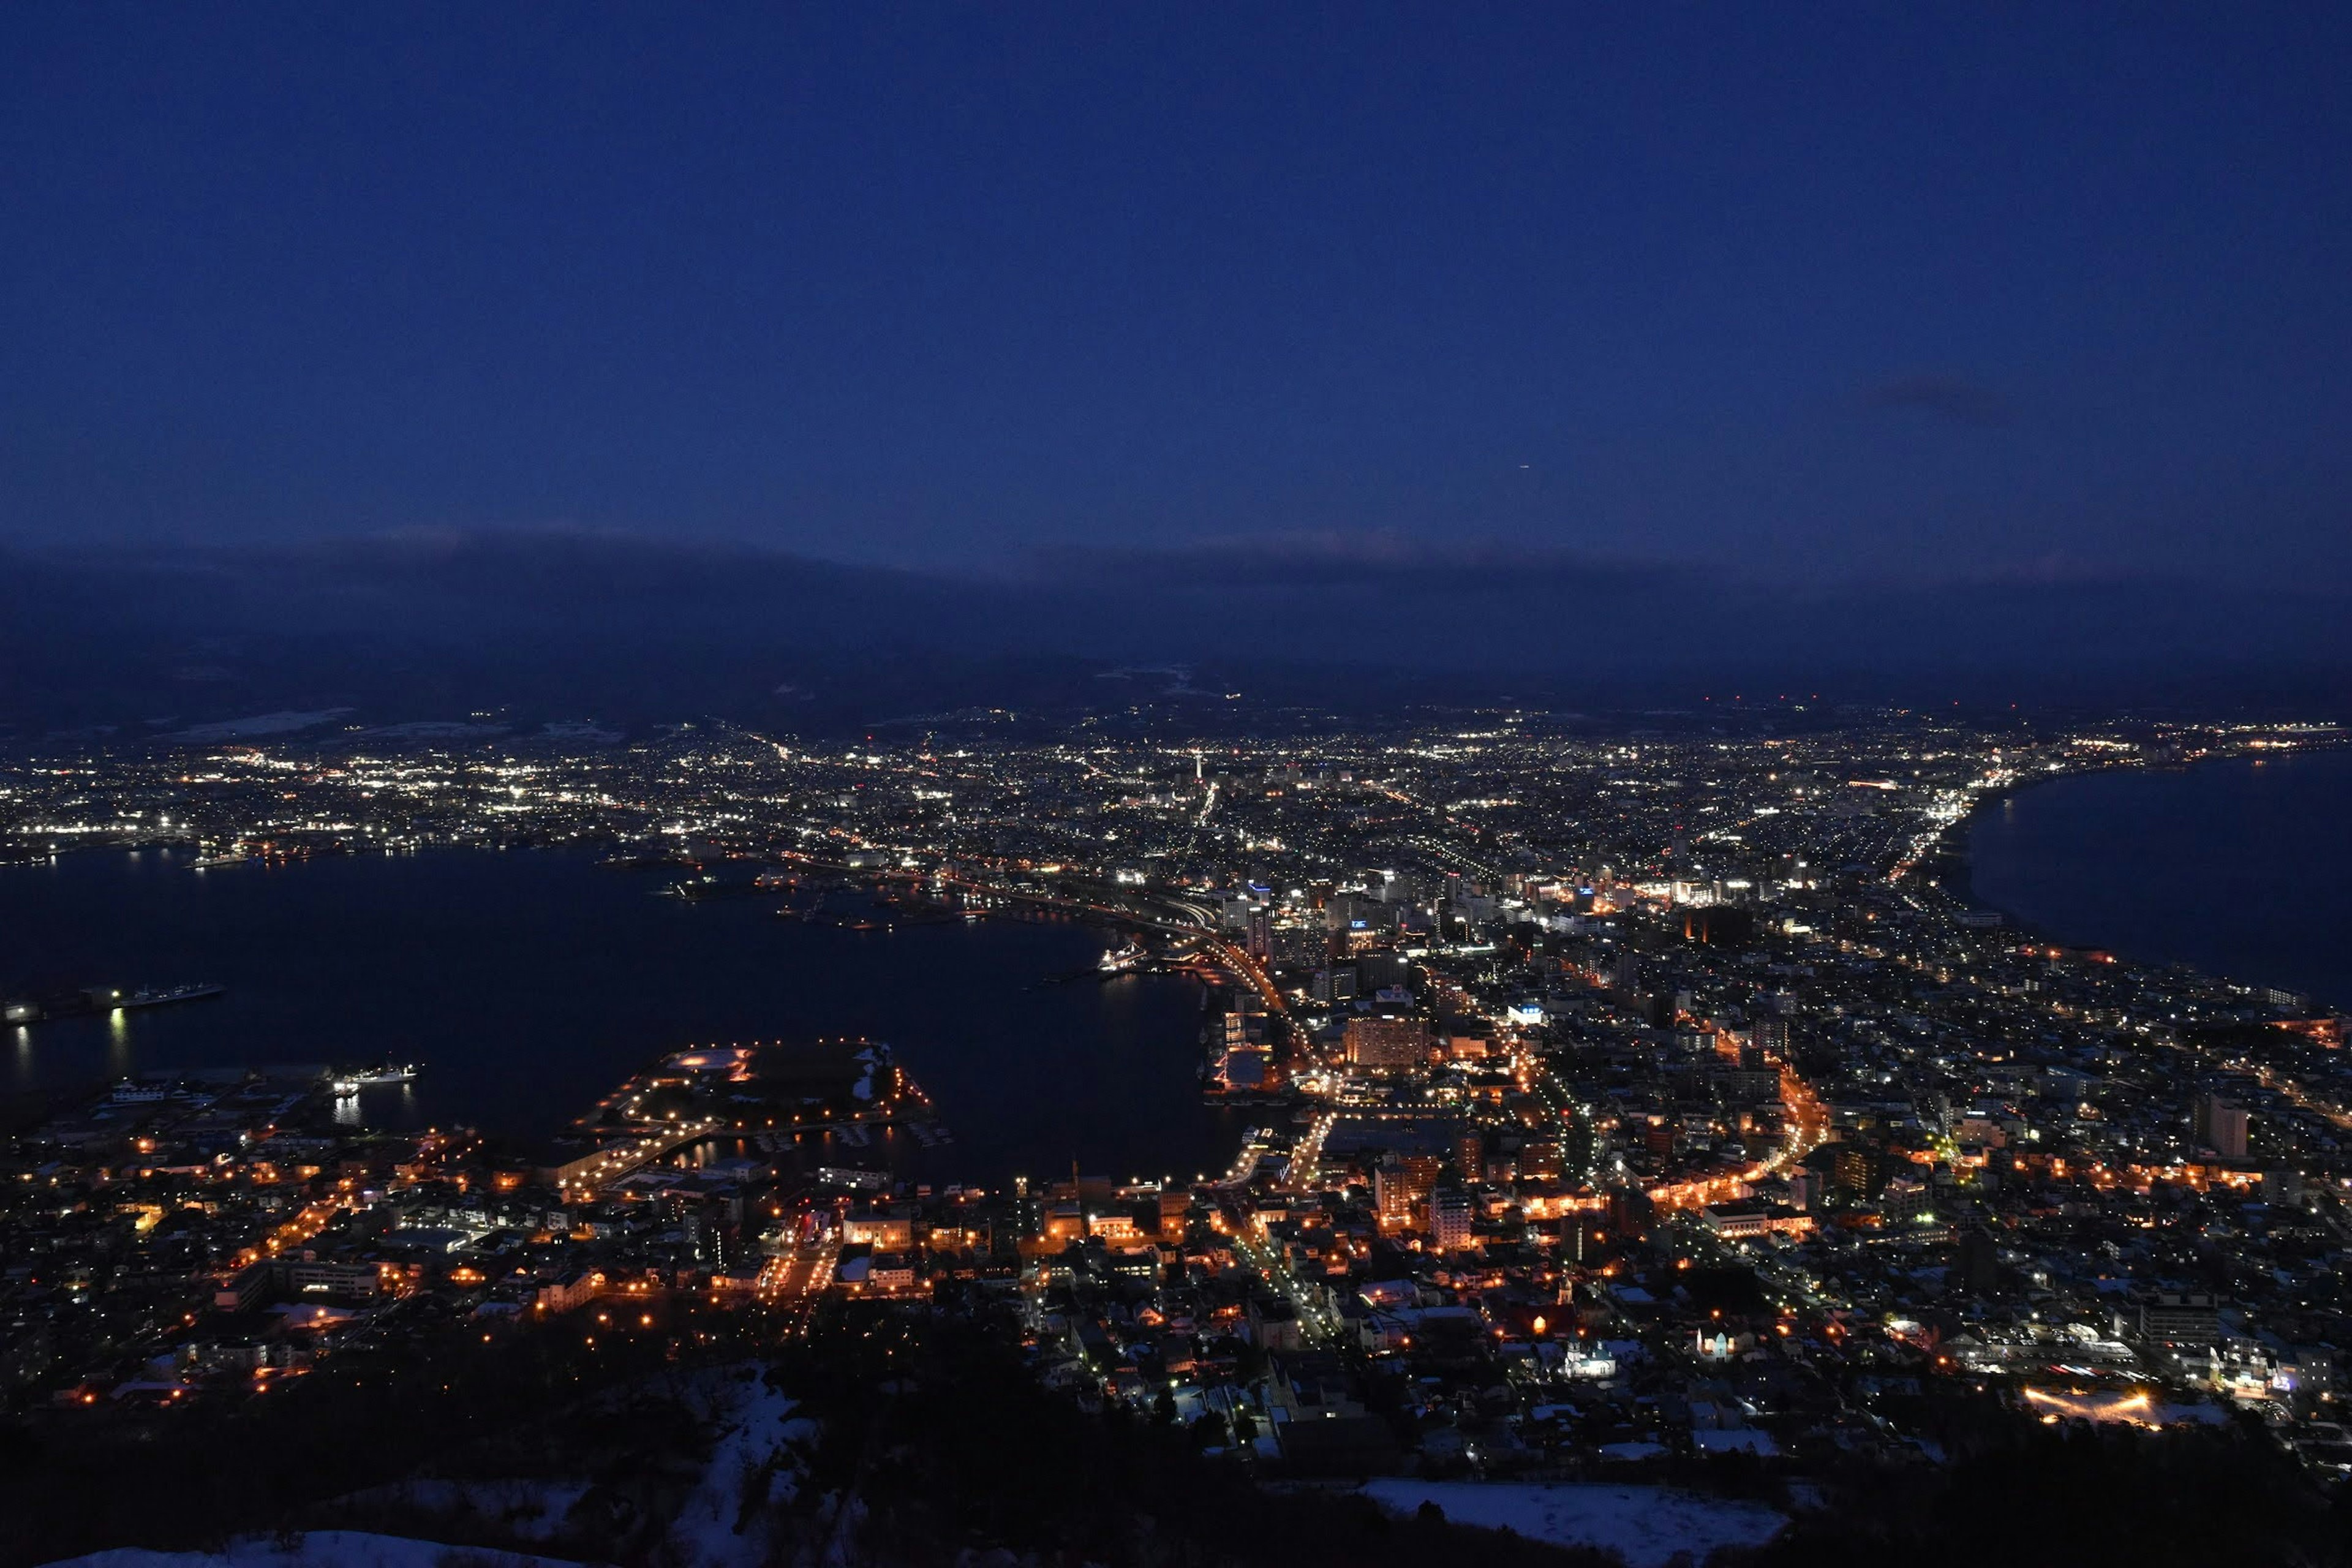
1910 295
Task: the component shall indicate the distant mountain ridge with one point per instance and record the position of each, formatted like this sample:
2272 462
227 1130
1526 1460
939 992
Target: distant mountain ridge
435 625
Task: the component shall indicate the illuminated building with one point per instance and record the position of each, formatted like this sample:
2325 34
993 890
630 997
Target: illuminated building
1450 1213
1402 1184
1382 1042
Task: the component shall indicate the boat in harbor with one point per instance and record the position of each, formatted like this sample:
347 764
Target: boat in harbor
712 885
164 996
1123 961
376 1076
33 1009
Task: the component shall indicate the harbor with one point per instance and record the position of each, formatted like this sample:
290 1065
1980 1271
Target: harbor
75 1002
525 985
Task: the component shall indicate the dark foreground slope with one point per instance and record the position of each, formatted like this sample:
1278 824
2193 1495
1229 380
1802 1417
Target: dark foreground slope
921 1439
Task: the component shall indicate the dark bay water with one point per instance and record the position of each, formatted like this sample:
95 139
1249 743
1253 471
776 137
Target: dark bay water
2240 868
529 983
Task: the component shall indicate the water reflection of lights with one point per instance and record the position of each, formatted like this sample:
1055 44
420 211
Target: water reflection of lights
347 1110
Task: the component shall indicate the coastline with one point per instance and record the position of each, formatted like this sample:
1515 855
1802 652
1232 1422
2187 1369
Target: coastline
1955 864
531 985
1954 856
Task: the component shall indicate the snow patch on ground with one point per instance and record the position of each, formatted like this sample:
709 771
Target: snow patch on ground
753 1421
525 1509
750 1424
1647 1524
320 1548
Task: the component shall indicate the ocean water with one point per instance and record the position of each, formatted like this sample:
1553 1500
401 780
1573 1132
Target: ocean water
529 983
2242 867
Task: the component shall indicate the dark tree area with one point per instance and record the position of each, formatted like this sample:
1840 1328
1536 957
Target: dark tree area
945 1440
538 1400
2033 1494
952 1443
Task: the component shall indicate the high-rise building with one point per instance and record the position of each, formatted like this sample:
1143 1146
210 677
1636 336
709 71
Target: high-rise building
1378 1042
1334 984
1302 946
2189 1319
1859 1172
1402 1184
2220 1125
1261 933
1629 1211
1449 1219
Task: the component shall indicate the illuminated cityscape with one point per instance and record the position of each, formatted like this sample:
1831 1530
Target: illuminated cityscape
1619 1103
1061 785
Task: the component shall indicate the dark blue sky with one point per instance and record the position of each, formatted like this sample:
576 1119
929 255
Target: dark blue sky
1910 292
